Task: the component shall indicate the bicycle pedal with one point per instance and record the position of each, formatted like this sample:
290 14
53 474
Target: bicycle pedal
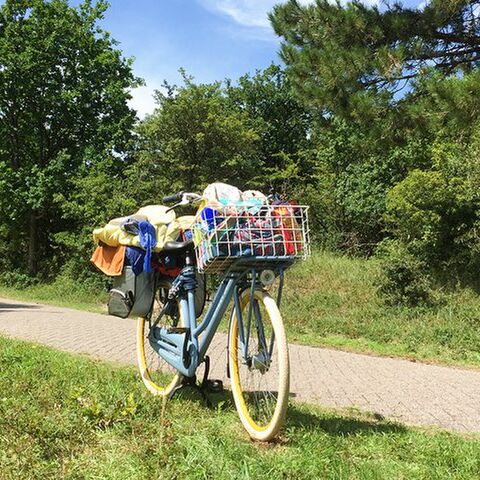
214 386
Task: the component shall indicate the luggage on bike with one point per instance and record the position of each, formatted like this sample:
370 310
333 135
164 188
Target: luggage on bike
250 228
132 295
139 239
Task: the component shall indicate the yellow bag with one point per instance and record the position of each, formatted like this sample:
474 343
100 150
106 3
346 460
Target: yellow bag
167 228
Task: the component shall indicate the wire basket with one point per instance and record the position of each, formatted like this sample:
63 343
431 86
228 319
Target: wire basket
260 236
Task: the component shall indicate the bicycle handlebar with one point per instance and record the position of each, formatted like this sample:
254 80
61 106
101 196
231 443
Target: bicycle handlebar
176 197
181 199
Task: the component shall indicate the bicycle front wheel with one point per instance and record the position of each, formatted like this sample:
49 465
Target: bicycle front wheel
158 376
259 372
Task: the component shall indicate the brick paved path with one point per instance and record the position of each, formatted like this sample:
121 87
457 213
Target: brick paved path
410 392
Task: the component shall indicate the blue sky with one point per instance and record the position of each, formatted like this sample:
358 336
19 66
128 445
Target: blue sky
211 39
198 35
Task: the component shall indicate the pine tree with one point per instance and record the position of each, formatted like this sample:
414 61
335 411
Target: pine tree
341 56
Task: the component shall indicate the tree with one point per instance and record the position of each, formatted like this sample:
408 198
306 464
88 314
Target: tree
353 57
193 138
282 122
64 88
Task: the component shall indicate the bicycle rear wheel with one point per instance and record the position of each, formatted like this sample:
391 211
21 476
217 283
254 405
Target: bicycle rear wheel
159 377
259 376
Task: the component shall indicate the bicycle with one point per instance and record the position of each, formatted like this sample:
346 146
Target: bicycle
171 344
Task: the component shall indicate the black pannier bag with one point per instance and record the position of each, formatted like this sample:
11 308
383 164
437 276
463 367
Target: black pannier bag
132 295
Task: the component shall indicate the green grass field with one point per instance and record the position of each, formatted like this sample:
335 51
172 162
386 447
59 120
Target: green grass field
331 300
64 293
67 417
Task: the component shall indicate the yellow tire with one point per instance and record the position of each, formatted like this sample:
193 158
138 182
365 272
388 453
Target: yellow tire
157 375
260 392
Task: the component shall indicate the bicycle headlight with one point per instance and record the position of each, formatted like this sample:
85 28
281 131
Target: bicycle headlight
267 277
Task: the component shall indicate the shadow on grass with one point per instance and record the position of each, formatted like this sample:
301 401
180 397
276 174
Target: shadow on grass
301 418
223 399
340 425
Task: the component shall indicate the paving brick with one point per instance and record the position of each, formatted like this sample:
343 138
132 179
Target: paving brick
410 392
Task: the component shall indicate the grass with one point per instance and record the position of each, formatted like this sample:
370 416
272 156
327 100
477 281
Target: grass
332 301
63 292
67 417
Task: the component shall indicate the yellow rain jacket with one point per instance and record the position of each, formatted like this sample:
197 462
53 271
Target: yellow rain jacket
167 228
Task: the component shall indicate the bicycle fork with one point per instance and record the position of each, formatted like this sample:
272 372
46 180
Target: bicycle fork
261 359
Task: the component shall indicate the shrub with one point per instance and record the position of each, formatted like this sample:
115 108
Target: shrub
17 280
405 278
435 213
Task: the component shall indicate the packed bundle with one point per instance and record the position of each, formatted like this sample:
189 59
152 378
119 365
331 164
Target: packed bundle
129 249
231 224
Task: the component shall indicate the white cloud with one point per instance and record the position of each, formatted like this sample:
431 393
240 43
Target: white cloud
142 99
252 13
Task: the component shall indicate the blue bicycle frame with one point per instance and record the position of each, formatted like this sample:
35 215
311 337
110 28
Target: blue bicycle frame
181 347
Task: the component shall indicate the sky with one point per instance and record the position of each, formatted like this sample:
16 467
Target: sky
210 39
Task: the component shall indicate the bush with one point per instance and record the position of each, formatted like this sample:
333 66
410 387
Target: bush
405 278
435 212
17 280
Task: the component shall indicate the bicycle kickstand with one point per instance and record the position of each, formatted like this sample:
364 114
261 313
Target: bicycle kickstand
206 385
213 386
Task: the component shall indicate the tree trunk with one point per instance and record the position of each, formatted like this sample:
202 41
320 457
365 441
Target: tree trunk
33 244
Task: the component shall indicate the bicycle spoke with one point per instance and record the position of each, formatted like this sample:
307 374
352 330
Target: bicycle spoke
259 376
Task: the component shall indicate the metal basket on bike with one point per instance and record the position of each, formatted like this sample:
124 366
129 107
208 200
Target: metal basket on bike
233 237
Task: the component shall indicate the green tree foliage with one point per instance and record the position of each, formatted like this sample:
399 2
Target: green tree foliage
193 138
437 210
283 124
99 192
63 93
397 150
355 57
251 133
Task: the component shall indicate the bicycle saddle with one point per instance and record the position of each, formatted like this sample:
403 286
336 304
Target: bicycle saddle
177 247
